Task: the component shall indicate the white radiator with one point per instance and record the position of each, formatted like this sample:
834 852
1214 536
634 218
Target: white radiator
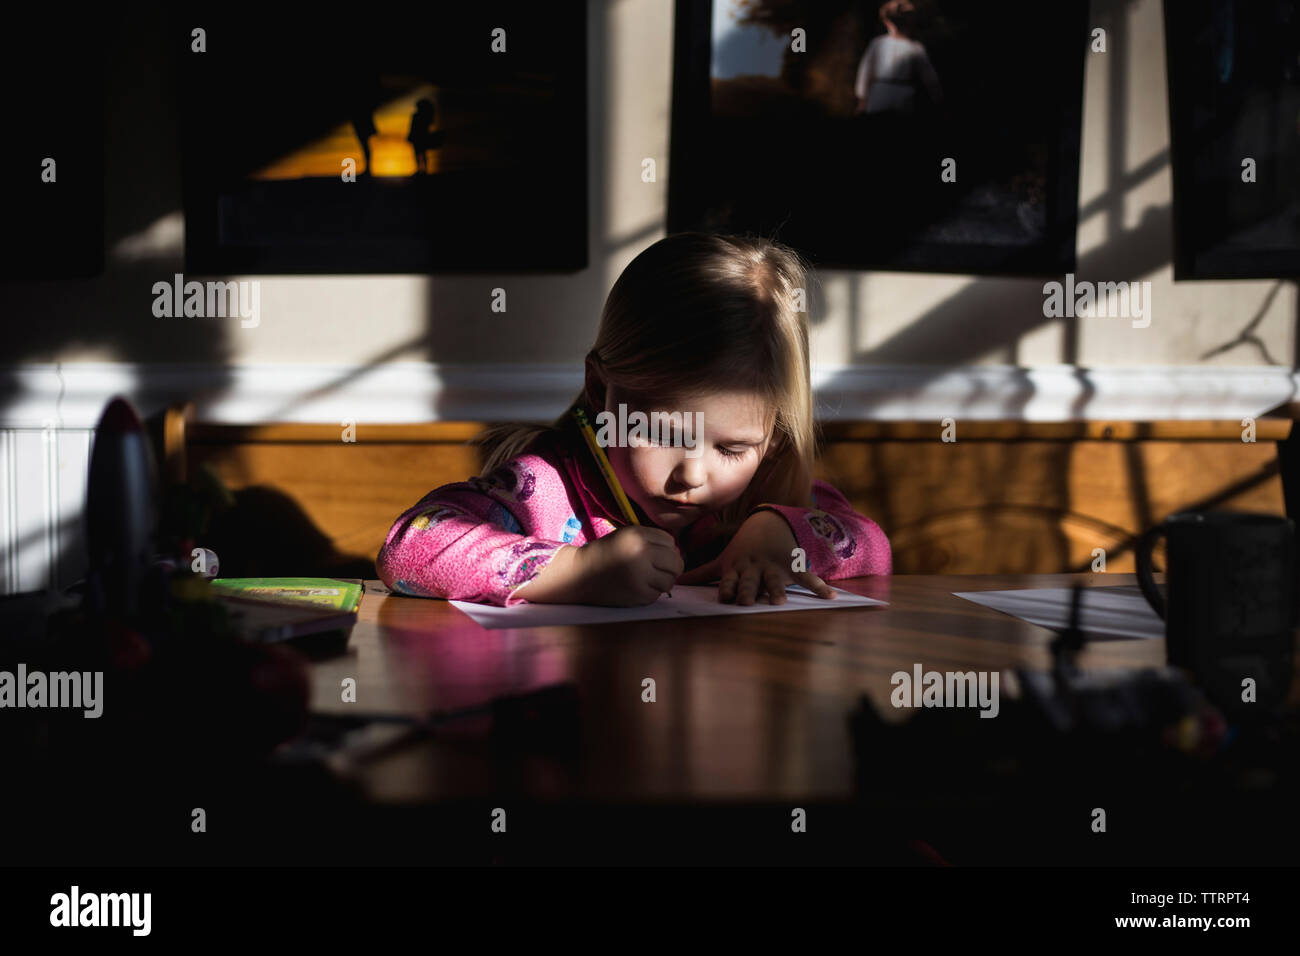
42 505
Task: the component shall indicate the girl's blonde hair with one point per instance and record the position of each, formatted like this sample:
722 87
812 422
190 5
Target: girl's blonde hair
697 313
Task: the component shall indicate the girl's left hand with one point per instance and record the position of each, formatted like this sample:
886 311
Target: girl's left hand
757 560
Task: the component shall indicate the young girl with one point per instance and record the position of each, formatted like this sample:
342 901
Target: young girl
695 323
895 67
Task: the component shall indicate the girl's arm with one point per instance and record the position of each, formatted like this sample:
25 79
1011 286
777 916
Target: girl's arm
862 83
471 540
930 78
838 542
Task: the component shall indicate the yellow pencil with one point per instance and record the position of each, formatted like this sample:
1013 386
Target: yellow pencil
603 463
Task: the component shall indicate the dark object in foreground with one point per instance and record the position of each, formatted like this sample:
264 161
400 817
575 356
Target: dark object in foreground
1231 613
1077 767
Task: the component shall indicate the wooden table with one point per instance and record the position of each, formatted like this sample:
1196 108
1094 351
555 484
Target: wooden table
749 707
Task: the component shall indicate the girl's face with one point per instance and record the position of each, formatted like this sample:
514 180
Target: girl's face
675 484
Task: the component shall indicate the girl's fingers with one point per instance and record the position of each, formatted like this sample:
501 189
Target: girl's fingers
667 559
727 586
662 581
815 584
747 589
774 581
658 536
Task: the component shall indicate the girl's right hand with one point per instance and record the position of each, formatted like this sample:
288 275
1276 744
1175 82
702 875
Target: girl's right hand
630 567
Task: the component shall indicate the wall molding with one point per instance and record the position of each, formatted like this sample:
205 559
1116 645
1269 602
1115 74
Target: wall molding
72 395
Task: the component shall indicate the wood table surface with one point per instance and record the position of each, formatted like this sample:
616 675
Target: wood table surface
748 707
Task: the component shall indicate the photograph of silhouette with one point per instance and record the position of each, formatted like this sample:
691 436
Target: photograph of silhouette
1234 116
452 140
895 74
363 124
421 137
926 135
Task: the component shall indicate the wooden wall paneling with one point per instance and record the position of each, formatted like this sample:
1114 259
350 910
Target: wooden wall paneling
1010 507
1007 497
351 491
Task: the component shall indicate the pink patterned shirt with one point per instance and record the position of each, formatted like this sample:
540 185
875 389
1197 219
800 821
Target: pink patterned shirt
483 539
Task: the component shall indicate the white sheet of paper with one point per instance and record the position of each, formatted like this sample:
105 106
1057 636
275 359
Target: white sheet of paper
1118 613
699 600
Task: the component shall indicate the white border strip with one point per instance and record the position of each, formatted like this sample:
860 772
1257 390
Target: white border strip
407 392
1052 393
